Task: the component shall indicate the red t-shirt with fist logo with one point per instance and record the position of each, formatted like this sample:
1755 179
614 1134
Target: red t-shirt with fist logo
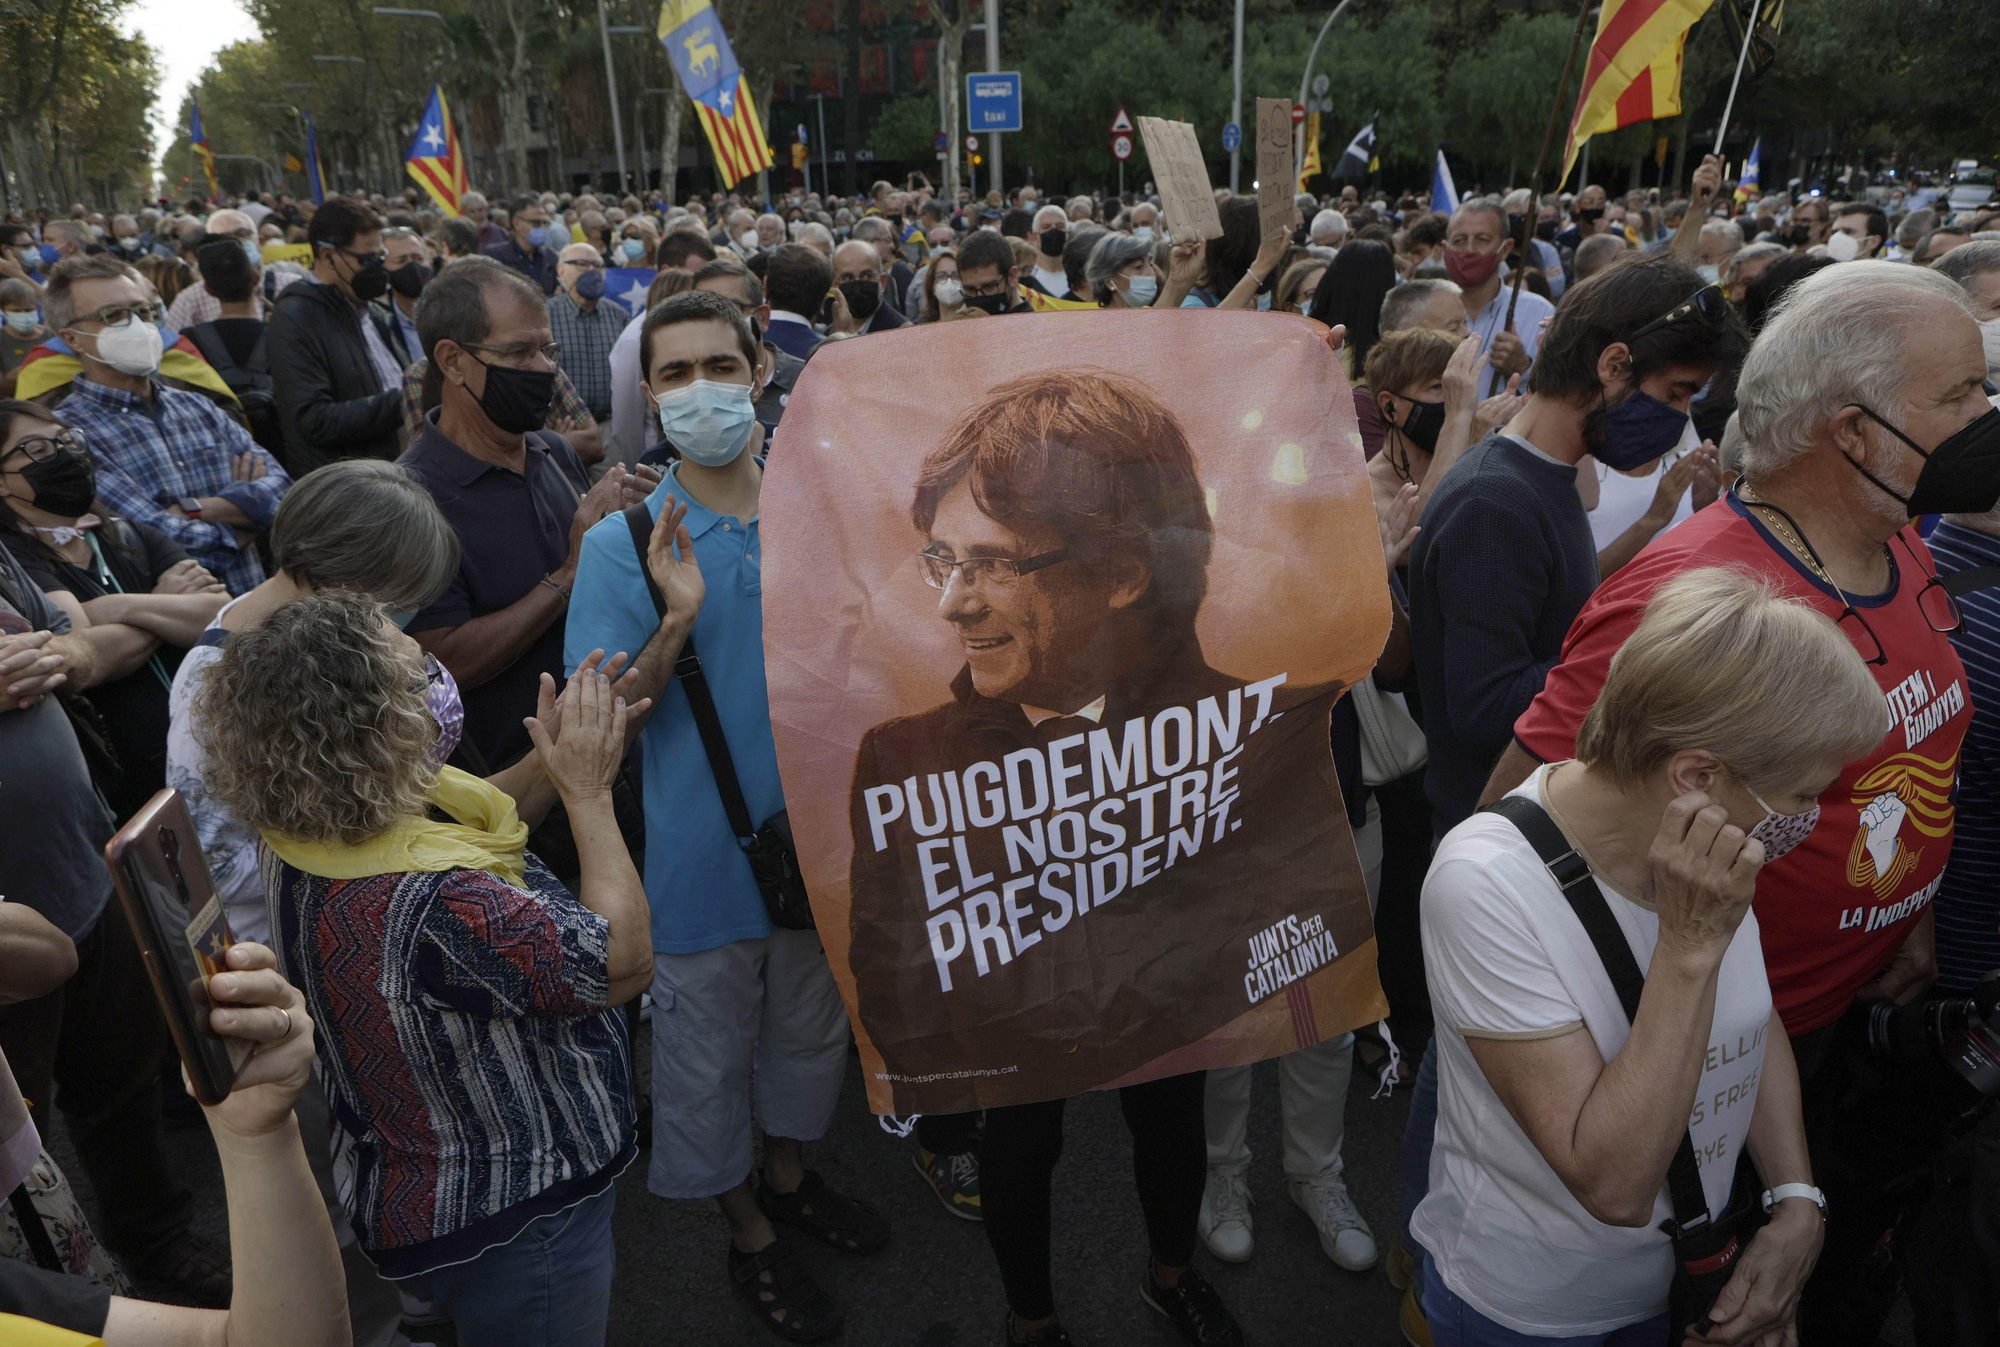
1837 907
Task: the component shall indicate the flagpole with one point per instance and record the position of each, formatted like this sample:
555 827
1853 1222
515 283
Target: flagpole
1535 184
1749 32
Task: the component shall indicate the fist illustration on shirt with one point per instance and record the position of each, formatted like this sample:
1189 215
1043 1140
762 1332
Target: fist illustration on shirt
1883 821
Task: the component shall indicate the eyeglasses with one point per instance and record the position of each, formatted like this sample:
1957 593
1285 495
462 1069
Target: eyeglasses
42 448
982 289
1934 600
1709 303
521 350
117 315
985 572
433 674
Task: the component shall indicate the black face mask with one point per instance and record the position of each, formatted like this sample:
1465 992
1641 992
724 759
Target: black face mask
1546 230
1054 241
1422 423
517 401
1589 214
1960 476
369 283
408 279
993 304
863 298
64 485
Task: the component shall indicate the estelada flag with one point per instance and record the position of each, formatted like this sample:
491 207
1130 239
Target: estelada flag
1634 70
434 159
198 138
315 178
1751 182
1051 640
706 64
1309 166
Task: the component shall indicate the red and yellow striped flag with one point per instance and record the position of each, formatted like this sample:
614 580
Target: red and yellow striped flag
737 139
1634 71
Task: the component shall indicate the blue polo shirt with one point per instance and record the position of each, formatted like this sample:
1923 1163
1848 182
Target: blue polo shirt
697 880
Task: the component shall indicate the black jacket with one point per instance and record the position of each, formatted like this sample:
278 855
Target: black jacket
330 397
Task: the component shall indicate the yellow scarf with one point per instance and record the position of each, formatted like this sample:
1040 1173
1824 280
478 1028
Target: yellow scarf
490 838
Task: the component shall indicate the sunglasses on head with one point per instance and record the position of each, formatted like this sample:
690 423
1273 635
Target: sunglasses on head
1708 303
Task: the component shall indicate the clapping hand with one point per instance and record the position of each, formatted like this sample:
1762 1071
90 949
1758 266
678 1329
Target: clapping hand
1397 523
548 701
671 560
583 751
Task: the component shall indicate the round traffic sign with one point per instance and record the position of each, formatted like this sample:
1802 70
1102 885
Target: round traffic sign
1232 136
1298 113
1121 146
1321 84
942 140
972 142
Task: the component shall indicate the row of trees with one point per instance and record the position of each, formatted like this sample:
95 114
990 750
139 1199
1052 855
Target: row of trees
1864 79
74 94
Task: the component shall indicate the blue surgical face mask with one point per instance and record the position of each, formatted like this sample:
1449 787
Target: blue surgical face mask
633 249
538 237
21 321
255 251
402 617
708 422
1141 290
1635 432
1711 274
1143 233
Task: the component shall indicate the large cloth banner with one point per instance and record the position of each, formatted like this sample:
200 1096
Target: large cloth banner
1052 637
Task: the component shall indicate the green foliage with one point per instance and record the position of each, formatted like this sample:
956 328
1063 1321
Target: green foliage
1497 95
75 94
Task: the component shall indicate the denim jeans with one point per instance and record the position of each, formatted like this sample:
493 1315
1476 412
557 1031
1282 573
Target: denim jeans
1454 1323
550 1286
1419 1132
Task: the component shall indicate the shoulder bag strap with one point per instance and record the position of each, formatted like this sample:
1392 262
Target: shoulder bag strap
1572 875
701 702
1960 583
209 342
33 1231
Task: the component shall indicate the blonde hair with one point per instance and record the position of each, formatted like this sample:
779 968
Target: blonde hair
1722 661
315 725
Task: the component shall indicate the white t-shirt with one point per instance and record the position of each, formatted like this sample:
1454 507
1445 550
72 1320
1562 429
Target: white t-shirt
1622 501
1055 282
229 845
1507 958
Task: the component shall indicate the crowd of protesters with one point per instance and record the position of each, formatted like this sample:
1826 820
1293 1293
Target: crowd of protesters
378 534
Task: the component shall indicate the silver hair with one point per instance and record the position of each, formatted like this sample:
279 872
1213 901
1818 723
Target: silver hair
869 228
1112 253
1405 303
1751 252
1967 261
1062 216
1329 224
1727 230
369 526
1520 199
1838 337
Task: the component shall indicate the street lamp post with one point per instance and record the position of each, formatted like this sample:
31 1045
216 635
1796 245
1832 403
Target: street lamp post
604 32
1299 137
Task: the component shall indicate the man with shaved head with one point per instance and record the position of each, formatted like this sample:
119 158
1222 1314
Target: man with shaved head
586 321
858 274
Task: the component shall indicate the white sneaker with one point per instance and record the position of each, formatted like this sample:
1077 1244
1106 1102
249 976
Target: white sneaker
1224 1222
1344 1236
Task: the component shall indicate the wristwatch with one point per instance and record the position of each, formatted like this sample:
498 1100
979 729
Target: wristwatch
1773 1196
190 507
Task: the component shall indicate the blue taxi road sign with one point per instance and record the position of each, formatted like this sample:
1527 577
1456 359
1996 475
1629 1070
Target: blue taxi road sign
993 101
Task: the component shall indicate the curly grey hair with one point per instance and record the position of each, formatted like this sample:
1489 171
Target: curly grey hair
314 723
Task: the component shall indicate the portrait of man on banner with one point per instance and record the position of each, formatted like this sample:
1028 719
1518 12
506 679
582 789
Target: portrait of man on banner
1095 845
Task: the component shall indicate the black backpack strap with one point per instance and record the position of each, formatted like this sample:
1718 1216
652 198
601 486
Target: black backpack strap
209 342
1960 583
33 1231
701 702
1572 875
259 363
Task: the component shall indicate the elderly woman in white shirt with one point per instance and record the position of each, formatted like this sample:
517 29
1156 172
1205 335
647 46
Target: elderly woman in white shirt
1559 1116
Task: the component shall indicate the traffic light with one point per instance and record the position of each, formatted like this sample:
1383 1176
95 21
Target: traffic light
978 159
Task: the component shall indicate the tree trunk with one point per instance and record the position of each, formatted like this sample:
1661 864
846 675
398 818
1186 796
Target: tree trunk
670 137
951 57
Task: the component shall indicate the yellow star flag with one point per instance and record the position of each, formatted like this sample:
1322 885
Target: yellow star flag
1634 70
1311 164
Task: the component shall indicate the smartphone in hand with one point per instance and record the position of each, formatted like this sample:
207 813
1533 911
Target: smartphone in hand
183 933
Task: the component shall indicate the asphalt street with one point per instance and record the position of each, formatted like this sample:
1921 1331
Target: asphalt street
935 1285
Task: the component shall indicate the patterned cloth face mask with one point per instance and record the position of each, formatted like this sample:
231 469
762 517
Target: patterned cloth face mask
441 699
1781 832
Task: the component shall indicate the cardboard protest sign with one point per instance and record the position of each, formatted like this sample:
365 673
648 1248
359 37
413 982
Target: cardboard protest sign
1052 636
1277 206
1181 174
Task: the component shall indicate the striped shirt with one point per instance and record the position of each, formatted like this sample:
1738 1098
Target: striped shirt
466 1047
1968 902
